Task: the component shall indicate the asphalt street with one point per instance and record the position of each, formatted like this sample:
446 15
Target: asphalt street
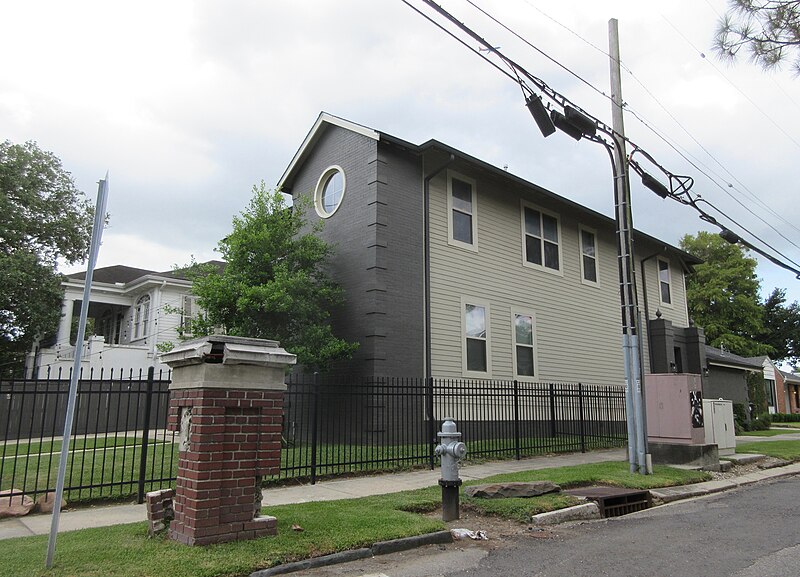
749 532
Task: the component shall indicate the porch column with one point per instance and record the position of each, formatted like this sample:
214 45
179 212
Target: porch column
65 326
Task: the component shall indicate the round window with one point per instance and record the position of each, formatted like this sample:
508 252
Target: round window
330 191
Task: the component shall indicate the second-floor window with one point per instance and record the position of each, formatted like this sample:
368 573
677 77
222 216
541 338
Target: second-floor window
141 317
664 281
588 255
541 236
461 201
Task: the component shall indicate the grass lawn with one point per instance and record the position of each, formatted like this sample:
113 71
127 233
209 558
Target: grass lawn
125 550
768 433
788 450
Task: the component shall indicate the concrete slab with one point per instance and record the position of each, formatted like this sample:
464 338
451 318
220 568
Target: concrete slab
744 458
10 528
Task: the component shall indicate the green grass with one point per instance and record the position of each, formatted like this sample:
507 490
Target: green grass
767 433
788 425
788 450
125 550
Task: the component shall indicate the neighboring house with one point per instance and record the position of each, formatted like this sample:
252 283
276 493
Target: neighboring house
792 383
773 385
726 376
453 267
132 312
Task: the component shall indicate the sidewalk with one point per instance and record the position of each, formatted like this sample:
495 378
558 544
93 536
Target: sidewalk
103 516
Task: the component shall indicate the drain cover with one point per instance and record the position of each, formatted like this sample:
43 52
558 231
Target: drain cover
615 501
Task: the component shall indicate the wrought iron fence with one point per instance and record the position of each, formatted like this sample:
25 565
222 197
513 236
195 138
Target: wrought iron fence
335 425
332 425
119 445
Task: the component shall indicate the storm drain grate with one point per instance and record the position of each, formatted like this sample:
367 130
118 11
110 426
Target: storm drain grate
614 501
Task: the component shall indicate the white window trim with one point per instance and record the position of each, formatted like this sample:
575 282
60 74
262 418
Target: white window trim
671 284
560 270
485 304
141 322
593 232
527 313
450 240
323 179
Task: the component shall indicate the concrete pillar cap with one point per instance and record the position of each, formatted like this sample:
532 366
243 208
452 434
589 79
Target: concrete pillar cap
228 350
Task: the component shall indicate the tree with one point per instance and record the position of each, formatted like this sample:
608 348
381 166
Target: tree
768 29
723 295
43 218
274 285
782 326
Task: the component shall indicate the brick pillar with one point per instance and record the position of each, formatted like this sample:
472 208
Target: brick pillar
226 402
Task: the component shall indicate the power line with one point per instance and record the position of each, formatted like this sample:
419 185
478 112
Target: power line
567 104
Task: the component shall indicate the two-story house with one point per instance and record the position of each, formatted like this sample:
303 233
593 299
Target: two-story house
131 312
453 267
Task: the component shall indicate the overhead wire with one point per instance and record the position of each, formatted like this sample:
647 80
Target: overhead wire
561 100
657 133
674 145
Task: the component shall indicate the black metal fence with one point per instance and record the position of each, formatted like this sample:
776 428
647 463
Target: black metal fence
119 443
332 426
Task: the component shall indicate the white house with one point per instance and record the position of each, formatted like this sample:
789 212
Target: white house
133 313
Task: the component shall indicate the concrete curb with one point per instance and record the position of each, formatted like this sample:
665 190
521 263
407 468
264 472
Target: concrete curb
585 512
380 548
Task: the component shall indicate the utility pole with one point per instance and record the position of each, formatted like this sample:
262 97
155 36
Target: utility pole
634 399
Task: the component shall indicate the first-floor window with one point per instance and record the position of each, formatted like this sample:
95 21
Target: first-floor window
476 338
523 345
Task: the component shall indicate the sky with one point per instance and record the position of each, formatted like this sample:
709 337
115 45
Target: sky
189 104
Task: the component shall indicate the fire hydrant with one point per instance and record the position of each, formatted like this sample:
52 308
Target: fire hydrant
451 451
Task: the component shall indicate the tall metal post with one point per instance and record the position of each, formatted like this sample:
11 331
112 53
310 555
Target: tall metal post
94 248
637 435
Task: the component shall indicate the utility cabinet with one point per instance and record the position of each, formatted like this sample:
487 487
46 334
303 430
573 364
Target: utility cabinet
720 428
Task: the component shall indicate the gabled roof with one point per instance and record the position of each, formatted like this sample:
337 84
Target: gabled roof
325 120
727 358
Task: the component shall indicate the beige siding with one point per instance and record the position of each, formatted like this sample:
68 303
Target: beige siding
577 333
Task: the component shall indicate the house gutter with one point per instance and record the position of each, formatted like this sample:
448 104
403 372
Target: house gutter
427 201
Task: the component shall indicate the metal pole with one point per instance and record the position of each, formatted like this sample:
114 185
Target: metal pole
94 248
624 219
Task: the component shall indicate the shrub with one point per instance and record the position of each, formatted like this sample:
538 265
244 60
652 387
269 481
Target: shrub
785 418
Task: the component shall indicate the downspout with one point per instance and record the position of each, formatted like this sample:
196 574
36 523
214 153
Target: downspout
646 305
427 204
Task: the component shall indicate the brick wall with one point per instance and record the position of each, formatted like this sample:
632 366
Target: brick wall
234 439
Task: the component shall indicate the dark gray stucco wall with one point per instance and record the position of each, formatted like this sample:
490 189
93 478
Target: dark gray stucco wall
377 234
726 383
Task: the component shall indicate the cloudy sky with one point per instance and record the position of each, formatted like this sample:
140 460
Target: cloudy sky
188 104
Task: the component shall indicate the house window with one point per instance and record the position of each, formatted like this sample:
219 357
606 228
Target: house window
664 282
769 389
188 313
141 317
476 338
588 255
541 235
330 191
461 203
524 365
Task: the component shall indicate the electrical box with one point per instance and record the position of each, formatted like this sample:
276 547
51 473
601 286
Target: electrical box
720 428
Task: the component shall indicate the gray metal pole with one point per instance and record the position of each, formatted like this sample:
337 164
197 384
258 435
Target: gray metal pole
94 247
637 435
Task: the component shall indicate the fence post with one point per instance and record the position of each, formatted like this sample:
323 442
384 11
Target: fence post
145 433
431 424
314 419
552 410
516 420
580 405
